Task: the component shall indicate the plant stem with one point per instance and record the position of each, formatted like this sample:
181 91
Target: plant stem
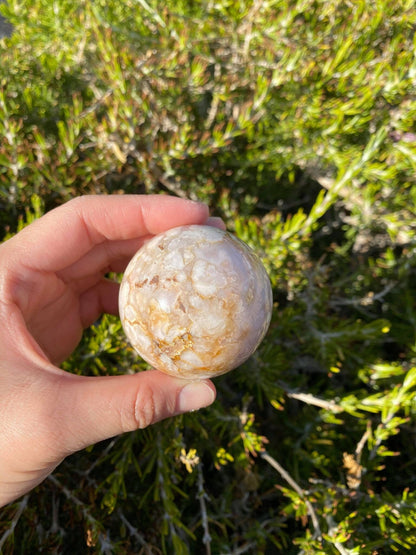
286 476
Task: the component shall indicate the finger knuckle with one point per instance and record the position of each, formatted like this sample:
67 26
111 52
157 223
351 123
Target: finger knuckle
141 411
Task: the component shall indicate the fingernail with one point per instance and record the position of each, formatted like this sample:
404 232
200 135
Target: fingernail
214 221
194 396
199 203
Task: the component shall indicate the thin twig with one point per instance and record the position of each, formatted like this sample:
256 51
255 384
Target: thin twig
202 496
97 104
332 530
152 12
362 442
135 533
105 543
102 456
310 399
249 546
341 548
9 532
286 476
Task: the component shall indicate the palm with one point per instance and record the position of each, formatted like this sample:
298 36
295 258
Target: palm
56 320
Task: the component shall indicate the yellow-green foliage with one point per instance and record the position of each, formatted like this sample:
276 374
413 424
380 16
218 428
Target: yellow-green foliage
295 121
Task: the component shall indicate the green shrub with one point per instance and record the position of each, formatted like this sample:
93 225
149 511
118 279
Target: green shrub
295 121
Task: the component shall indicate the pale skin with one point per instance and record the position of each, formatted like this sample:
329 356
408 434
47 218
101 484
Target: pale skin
52 287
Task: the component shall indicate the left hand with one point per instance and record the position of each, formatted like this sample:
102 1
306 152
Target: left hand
52 287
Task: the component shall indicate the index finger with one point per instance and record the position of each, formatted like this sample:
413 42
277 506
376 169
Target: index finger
65 234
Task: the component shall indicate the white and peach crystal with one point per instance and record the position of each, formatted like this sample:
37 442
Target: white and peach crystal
195 302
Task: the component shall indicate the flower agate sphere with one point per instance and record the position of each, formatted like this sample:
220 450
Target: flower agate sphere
195 302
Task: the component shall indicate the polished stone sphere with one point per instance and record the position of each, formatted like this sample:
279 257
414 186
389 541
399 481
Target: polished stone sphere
195 302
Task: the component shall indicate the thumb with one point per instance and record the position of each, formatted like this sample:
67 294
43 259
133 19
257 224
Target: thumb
99 408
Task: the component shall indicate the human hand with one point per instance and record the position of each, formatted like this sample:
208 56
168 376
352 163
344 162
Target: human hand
52 286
